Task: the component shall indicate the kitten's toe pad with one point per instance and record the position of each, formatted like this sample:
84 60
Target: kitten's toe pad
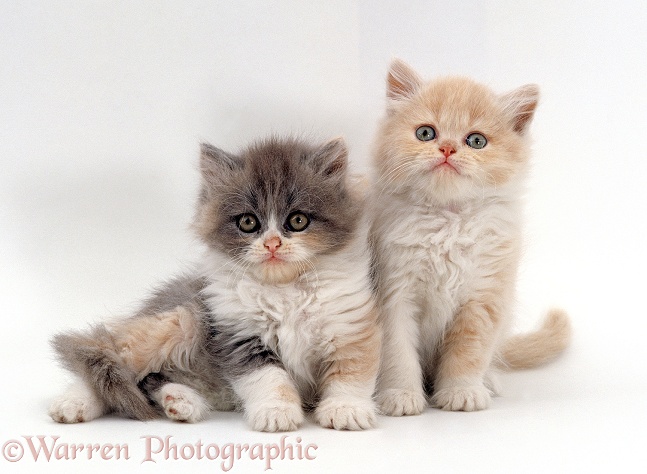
462 398
75 409
275 416
346 414
396 402
182 403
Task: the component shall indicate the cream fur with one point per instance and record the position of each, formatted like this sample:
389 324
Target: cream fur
447 238
148 344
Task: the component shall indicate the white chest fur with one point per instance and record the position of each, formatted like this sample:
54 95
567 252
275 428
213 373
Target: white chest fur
287 319
442 256
300 321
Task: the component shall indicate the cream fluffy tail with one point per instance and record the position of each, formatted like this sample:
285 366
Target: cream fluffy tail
529 350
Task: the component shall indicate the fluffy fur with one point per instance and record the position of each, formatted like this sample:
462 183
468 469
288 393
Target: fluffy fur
446 236
278 317
117 362
295 321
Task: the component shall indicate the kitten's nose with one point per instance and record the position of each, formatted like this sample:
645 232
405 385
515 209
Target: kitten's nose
447 150
272 244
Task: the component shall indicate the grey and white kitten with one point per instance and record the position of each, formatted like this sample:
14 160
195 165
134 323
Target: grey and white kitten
277 318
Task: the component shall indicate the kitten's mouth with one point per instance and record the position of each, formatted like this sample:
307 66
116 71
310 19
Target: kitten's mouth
445 165
273 260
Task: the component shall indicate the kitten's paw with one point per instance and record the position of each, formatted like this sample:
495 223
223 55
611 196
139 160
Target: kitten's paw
396 402
346 414
275 416
182 403
75 409
462 398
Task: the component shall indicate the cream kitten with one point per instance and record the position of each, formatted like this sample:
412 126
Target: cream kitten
451 159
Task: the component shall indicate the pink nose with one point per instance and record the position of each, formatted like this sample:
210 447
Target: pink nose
272 244
447 150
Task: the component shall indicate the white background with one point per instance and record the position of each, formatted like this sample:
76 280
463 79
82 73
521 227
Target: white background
102 108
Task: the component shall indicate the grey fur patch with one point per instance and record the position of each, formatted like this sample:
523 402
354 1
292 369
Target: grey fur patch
183 290
236 355
276 177
92 356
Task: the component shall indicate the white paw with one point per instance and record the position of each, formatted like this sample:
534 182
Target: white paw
462 398
396 402
346 414
75 408
276 415
182 403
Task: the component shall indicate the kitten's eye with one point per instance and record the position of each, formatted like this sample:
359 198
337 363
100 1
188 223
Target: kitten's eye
297 222
425 133
476 140
248 223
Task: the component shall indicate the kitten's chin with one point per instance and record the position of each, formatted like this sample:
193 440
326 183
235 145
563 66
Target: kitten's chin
447 186
277 272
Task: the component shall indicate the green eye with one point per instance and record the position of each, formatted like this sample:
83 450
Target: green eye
297 221
248 223
476 140
425 133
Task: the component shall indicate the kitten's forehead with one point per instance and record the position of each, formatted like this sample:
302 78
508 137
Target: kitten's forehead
277 177
270 166
460 102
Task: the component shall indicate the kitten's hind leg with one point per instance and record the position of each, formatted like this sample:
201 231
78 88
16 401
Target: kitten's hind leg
179 402
78 404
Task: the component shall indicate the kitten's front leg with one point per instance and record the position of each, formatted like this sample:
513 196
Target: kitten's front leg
270 400
400 389
348 384
465 357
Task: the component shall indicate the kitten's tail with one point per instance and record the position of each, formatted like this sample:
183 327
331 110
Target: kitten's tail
532 349
92 356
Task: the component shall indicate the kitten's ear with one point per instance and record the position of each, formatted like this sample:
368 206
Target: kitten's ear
216 164
331 159
520 105
402 81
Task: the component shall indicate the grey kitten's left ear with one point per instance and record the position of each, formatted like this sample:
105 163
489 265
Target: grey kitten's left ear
520 105
216 164
331 159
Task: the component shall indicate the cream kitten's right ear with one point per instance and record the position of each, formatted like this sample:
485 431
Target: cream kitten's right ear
216 164
402 81
520 105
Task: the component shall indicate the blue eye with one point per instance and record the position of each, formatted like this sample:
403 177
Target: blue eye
476 140
425 133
